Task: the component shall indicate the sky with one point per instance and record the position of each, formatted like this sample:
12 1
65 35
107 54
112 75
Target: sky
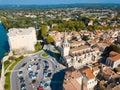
48 2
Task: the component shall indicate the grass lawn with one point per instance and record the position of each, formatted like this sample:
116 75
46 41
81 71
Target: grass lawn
38 47
7 81
45 54
13 65
0 73
7 75
6 64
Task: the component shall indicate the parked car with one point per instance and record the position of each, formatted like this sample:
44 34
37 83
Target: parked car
39 88
49 74
21 79
24 64
30 74
46 85
33 81
29 69
30 65
20 72
23 87
38 66
42 83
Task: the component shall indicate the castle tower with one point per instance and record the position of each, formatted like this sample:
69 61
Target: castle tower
65 47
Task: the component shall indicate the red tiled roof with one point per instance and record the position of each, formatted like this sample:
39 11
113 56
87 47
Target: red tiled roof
79 48
88 72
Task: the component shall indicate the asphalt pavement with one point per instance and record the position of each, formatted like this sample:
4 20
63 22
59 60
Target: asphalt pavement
54 66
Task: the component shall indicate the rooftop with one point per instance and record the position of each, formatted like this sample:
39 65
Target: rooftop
77 42
108 71
115 56
70 82
88 72
113 53
79 48
20 31
71 85
73 74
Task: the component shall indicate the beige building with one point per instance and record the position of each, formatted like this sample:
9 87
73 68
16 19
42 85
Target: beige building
72 80
22 40
82 79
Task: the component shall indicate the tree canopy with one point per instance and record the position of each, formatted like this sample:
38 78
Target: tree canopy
43 31
49 39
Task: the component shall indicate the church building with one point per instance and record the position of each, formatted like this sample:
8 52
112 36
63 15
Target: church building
77 56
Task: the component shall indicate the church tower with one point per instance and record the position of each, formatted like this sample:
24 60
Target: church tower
65 47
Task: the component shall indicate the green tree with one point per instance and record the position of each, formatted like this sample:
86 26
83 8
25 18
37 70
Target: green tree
85 38
91 28
43 31
49 39
115 48
38 47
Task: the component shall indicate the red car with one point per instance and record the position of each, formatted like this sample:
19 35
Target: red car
40 89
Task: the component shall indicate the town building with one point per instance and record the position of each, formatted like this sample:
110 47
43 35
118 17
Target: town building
72 80
118 39
65 47
22 40
79 55
81 79
88 78
113 60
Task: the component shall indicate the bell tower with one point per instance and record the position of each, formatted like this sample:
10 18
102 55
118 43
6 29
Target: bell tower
65 47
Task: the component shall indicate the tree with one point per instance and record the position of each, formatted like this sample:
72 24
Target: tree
38 33
91 28
85 20
85 38
115 48
43 31
38 47
116 70
49 39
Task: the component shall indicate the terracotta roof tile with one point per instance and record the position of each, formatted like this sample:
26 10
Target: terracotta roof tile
113 53
88 72
70 82
114 58
73 74
72 85
79 48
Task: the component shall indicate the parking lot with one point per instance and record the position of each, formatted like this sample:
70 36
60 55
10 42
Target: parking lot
34 72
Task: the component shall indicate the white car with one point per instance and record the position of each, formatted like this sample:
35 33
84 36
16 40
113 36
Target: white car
29 69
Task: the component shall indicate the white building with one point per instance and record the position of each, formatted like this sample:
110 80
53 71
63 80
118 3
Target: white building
22 40
89 80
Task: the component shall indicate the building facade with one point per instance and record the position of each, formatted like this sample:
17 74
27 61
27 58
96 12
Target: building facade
113 60
22 40
81 79
65 47
79 55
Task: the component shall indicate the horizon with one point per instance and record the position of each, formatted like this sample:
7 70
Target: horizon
56 2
